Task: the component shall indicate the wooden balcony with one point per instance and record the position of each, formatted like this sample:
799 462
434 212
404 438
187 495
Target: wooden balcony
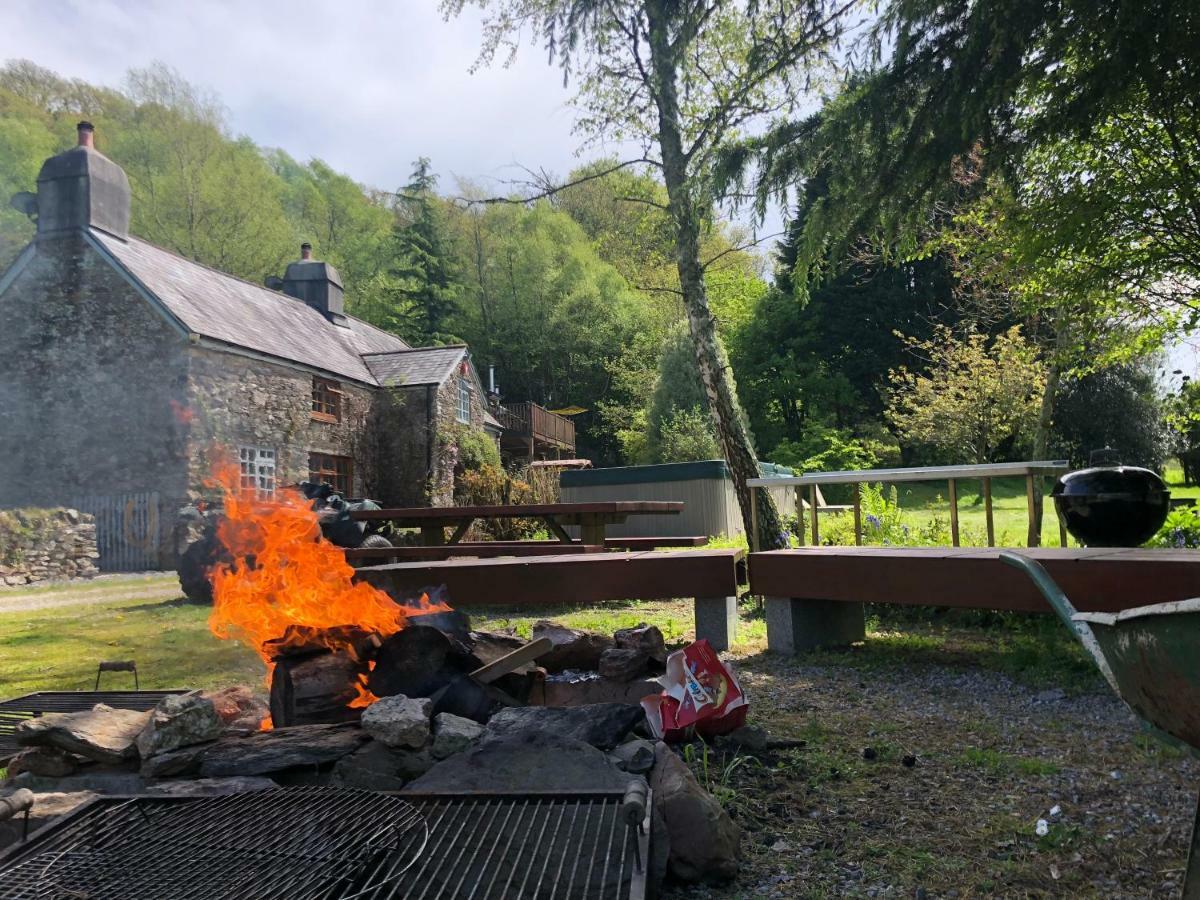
532 431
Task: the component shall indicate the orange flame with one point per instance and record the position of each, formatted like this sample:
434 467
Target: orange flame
285 574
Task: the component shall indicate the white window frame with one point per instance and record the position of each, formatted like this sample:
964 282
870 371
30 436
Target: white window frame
464 401
257 465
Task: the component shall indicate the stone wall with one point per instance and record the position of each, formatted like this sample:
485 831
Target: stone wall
90 376
236 401
46 544
398 453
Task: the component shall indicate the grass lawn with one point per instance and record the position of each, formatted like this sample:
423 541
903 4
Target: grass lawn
58 645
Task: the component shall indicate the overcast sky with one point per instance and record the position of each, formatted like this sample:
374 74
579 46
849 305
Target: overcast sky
366 86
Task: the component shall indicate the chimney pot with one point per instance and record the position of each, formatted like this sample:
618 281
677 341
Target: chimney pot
306 250
86 133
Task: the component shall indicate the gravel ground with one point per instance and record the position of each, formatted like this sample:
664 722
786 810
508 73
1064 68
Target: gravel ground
923 780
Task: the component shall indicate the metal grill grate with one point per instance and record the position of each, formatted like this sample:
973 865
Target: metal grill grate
570 846
302 843
18 709
326 843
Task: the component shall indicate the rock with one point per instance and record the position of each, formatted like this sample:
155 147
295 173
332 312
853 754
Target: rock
705 843
47 807
50 762
178 721
603 725
453 734
281 748
582 688
97 779
489 646
101 733
749 737
646 638
238 707
623 665
185 761
377 767
635 757
209 787
573 649
399 721
523 762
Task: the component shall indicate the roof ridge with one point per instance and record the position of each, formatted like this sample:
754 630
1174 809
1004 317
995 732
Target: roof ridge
415 349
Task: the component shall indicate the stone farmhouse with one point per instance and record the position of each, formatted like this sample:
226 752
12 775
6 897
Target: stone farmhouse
123 365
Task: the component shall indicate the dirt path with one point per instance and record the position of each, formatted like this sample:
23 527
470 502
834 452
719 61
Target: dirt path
155 586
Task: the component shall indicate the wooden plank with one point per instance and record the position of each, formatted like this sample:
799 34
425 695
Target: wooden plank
521 510
987 512
918 473
1096 580
953 512
1033 537
566 579
481 549
812 511
857 515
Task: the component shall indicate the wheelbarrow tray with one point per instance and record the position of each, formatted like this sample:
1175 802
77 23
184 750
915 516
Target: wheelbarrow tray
1151 652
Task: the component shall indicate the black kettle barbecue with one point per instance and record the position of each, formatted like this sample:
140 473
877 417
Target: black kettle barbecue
1109 504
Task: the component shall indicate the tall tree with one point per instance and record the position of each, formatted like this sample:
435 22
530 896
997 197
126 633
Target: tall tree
679 76
425 266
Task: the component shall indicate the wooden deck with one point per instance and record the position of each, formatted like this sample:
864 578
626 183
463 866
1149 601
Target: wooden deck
710 577
1094 579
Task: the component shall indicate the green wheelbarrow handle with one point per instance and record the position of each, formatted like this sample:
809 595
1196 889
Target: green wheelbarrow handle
1063 608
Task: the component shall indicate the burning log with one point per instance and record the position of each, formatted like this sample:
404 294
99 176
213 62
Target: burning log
316 688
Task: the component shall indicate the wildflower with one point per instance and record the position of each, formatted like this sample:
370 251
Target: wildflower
874 521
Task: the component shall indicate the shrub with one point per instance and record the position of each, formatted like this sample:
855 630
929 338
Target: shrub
1182 529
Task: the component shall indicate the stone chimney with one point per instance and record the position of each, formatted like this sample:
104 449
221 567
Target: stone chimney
316 283
82 188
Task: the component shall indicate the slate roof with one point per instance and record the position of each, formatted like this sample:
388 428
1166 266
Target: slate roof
425 365
220 307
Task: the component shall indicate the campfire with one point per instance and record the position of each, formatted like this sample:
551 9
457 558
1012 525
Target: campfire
290 595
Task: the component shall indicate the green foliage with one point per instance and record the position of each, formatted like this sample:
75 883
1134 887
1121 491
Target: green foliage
977 402
685 435
1119 407
823 449
476 448
555 319
1180 530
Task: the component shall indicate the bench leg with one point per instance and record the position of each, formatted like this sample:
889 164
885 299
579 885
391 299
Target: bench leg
716 621
795 625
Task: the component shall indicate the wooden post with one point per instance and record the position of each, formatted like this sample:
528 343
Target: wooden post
953 512
812 512
987 512
754 519
857 515
1062 531
798 509
1034 538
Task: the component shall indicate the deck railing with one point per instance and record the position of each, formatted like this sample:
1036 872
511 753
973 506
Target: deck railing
1031 471
530 420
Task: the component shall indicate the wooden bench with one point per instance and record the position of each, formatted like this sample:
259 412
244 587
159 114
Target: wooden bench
815 595
464 548
707 576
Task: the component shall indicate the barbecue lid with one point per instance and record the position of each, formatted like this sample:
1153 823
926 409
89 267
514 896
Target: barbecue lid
1110 478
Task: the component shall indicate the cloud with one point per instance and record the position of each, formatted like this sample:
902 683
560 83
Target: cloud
367 87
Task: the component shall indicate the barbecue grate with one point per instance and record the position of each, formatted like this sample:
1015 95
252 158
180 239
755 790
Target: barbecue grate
321 842
303 843
18 709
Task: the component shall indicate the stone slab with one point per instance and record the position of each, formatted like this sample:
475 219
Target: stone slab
717 621
797 625
279 749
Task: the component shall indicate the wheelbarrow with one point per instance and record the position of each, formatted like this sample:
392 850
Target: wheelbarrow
1150 656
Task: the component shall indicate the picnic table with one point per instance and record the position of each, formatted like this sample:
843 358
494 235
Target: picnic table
593 519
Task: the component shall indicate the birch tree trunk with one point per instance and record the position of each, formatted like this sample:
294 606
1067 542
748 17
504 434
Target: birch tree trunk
685 211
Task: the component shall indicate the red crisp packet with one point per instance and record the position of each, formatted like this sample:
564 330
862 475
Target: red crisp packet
701 695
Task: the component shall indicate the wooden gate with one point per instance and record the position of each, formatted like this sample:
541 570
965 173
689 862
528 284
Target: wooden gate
127 529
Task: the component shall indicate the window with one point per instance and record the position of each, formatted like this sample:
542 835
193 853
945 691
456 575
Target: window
464 401
336 470
326 400
258 471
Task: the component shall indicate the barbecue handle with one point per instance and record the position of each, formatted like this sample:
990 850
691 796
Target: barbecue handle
19 801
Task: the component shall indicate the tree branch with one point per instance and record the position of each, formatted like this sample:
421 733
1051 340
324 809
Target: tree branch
546 188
